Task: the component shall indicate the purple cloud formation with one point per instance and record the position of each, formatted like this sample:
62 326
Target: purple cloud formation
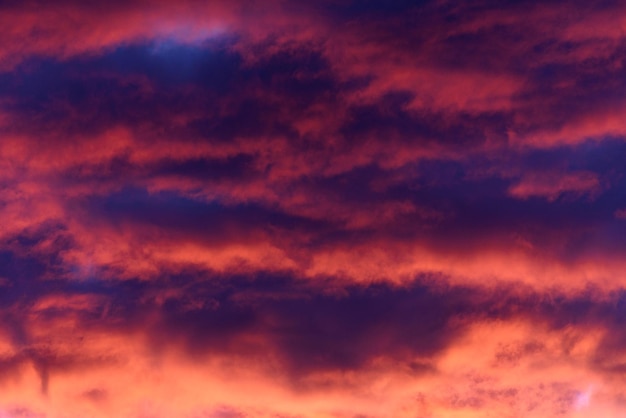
338 209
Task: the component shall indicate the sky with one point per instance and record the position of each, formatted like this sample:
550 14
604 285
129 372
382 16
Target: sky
323 209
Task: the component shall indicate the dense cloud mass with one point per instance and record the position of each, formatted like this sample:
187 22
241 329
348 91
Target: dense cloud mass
330 209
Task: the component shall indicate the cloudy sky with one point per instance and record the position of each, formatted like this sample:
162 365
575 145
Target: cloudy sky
312 209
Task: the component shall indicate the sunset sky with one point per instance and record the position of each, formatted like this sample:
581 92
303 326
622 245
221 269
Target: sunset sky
312 209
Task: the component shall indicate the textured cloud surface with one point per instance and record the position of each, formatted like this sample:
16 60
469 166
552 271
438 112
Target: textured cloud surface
331 209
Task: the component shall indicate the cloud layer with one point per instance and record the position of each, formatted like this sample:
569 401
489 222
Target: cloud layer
339 209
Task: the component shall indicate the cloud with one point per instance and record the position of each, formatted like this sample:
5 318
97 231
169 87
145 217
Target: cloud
336 209
307 340
551 187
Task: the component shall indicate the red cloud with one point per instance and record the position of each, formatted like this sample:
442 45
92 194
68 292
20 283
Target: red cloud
339 209
551 186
